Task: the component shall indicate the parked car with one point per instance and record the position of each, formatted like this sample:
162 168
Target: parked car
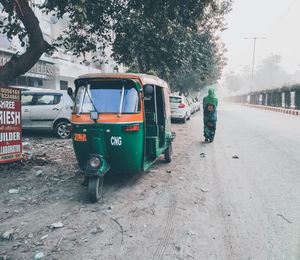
192 105
47 109
180 108
198 104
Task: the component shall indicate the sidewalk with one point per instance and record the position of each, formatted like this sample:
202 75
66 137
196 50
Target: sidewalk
276 109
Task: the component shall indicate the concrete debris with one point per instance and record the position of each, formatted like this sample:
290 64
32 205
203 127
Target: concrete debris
8 235
39 255
44 237
56 225
191 233
39 173
203 190
97 230
13 191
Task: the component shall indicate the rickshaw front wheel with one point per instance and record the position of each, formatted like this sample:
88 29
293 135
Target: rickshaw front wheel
168 154
95 188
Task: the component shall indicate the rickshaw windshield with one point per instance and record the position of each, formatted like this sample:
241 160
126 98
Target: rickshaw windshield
108 96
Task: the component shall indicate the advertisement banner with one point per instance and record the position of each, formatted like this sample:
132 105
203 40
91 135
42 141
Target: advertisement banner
10 125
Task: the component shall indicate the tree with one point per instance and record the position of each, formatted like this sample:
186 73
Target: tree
235 82
180 47
167 37
268 74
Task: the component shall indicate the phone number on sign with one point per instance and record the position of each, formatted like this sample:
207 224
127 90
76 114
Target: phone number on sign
9 96
6 93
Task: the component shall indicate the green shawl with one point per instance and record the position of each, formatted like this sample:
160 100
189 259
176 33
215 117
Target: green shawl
210 98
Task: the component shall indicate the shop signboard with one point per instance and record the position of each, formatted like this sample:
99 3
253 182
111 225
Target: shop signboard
10 125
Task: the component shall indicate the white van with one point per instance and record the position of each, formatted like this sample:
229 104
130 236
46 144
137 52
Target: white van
47 109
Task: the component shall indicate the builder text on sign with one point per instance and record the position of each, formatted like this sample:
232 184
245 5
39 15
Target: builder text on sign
10 125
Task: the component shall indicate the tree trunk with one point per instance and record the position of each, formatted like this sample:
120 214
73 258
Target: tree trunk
141 67
19 65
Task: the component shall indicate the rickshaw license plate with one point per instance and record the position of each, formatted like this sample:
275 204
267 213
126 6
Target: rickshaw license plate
80 137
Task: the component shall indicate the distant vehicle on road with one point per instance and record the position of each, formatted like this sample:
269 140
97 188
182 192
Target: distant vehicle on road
197 103
180 108
47 109
192 105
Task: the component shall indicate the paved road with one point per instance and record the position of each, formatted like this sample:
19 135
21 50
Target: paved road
251 209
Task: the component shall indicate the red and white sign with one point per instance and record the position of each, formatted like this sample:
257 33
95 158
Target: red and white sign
10 125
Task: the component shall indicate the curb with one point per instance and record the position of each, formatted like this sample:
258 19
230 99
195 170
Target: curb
276 109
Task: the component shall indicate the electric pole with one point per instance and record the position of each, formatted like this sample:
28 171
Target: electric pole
253 59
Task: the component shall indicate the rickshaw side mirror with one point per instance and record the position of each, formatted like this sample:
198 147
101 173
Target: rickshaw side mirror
70 92
148 90
94 115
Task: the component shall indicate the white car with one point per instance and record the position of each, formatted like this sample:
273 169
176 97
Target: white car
197 103
47 109
180 108
192 105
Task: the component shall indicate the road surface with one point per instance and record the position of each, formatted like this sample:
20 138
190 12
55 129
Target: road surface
204 205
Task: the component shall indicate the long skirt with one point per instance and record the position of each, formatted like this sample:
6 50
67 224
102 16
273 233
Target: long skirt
209 129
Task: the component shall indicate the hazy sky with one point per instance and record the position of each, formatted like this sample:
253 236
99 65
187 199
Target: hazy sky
277 20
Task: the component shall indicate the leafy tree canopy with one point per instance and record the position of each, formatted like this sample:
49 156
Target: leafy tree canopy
173 39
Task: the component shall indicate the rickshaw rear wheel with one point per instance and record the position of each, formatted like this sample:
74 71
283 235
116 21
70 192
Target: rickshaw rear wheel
95 188
168 154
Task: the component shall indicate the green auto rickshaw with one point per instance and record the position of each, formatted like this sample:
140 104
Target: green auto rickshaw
120 122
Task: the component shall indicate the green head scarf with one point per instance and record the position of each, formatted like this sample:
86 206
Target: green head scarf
211 93
210 98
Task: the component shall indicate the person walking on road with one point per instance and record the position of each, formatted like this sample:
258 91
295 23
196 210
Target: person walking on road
210 103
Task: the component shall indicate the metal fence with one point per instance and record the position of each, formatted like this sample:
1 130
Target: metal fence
286 97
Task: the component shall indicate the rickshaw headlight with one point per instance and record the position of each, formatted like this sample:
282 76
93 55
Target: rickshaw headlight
95 162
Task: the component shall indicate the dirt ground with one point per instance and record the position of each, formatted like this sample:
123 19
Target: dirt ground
135 215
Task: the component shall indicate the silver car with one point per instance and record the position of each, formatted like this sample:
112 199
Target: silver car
46 109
